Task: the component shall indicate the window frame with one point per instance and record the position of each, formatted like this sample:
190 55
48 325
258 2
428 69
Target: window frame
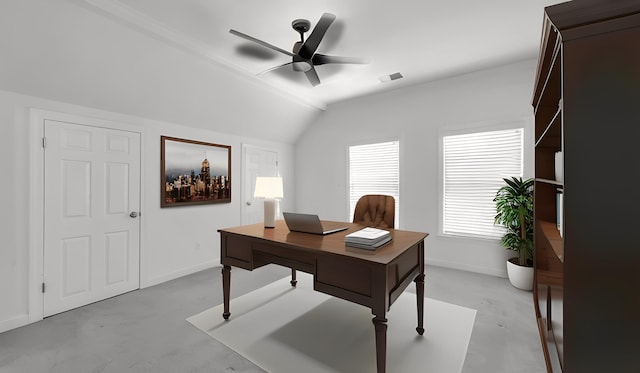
348 174
524 123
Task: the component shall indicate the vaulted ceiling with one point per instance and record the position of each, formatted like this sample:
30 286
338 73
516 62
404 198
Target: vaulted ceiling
423 40
176 61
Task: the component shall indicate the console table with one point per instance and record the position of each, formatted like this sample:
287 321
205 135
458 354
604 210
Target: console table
374 279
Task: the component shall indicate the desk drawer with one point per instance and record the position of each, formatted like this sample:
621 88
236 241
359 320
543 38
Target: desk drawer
288 257
237 249
346 275
405 265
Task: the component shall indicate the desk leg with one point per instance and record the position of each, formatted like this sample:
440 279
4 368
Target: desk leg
420 297
226 290
293 277
380 324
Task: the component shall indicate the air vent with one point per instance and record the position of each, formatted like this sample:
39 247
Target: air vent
388 78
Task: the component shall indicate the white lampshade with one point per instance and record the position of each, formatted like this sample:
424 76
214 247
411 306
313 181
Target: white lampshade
269 188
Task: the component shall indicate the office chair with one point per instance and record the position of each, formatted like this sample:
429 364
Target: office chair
372 210
375 210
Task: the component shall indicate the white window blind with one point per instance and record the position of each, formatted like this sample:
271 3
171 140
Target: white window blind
374 169
473 169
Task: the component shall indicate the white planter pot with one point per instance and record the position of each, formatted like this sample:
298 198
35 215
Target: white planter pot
520 276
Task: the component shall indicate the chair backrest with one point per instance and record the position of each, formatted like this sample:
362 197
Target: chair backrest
375 210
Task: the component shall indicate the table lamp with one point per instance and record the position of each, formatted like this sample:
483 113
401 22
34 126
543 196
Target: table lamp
269 188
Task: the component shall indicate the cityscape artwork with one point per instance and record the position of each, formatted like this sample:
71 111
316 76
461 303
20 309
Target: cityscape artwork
194 172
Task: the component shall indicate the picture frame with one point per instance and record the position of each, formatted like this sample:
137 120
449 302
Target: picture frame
194 172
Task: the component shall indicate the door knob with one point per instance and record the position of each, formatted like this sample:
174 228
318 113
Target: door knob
248 203
133 214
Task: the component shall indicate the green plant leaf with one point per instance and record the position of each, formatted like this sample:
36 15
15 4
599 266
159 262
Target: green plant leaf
514 211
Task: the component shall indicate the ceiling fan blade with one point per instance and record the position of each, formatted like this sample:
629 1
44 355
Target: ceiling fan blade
275 68
321 59
311 44
312 75
263 43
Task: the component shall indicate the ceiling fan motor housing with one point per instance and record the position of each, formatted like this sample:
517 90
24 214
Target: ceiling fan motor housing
301 25
304 56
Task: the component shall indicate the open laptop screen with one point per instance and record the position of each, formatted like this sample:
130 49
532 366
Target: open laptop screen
310 223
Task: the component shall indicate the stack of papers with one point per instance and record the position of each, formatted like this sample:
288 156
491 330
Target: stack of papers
368 238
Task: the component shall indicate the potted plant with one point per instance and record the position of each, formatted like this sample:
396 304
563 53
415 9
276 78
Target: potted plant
514 211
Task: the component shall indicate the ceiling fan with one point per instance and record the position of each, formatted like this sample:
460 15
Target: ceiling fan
304 56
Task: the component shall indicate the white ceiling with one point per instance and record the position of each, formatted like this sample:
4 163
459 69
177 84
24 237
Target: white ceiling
424 40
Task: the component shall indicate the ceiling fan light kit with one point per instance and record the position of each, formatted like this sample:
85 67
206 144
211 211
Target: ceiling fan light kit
304 56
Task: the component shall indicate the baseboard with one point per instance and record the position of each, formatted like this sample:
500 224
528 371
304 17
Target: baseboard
177 274
14 322
468 268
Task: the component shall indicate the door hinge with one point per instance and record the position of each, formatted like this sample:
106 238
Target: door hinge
43 287
44 142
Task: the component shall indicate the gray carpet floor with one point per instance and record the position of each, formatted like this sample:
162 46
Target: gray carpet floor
146 331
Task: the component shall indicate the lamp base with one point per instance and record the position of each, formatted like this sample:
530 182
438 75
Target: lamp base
270 213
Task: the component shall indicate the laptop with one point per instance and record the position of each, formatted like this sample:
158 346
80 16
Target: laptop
310 223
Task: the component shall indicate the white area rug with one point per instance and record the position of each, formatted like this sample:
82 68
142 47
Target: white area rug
283 329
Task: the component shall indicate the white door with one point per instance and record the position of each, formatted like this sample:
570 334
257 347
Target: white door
256 162
91 208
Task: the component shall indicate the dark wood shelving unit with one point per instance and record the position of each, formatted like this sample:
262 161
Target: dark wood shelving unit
586 104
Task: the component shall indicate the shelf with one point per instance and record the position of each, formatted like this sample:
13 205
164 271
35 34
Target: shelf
548 47
552 235
549 181
551 90
552 134
548 244
585 106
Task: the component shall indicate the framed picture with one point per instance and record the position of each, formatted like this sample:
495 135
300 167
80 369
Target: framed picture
194 172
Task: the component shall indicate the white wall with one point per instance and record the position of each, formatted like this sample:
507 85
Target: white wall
174 241
178 241
60 55
414 116
67 51
63 55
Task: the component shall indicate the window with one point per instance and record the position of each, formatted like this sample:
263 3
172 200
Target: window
474 165
374 169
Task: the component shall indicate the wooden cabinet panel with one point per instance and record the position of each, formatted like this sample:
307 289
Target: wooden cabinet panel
586 274
273 254
237 252
335 273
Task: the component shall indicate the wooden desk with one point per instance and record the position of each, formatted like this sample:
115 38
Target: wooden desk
374 279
